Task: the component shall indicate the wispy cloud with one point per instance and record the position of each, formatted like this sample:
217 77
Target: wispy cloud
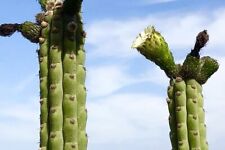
19 127
125 117
113 38
104 80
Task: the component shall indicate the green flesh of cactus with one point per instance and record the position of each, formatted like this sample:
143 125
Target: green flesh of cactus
43 63
186 120
62 75
152 45
56 82
81 94
30 30
70 104
185 100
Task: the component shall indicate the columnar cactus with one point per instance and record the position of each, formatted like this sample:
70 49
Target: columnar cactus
60 34
185 100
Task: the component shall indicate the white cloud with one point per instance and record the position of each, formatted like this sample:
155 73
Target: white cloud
105 79
20 86
120 118
113 38
19 124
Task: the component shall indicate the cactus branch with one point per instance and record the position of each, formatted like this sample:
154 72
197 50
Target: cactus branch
29 30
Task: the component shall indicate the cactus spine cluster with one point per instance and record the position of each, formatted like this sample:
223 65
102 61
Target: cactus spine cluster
185 100
60 34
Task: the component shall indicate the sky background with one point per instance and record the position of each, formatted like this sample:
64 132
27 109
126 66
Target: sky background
126 102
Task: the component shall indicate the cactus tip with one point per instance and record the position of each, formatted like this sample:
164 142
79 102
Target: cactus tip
141 38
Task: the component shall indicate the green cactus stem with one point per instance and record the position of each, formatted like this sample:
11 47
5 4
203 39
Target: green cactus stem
55 81
192 114
152 45
81 73
43 75
70 101
181 113
201 116
172 116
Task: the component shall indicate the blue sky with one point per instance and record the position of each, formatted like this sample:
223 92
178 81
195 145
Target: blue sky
126 93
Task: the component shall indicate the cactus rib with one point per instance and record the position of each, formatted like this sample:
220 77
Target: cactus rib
43 63
172 115
70 104
55 82
192 114
81 73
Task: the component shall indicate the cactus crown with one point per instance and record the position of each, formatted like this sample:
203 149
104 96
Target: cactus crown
153 46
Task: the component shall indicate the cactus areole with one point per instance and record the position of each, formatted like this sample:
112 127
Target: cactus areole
60 34
185 100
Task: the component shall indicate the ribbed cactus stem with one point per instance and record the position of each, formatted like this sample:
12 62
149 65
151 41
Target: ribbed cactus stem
81 94
55 80
70 104
172 115
201 116
43 75
192 114
181 113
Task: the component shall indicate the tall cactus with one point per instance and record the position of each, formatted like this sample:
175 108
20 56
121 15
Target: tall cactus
185 100
60 34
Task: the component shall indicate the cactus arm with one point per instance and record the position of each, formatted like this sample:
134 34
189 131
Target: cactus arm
29 30
192 115
43 63
55 81
81 73
172 115
181 113
208 66
153 46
